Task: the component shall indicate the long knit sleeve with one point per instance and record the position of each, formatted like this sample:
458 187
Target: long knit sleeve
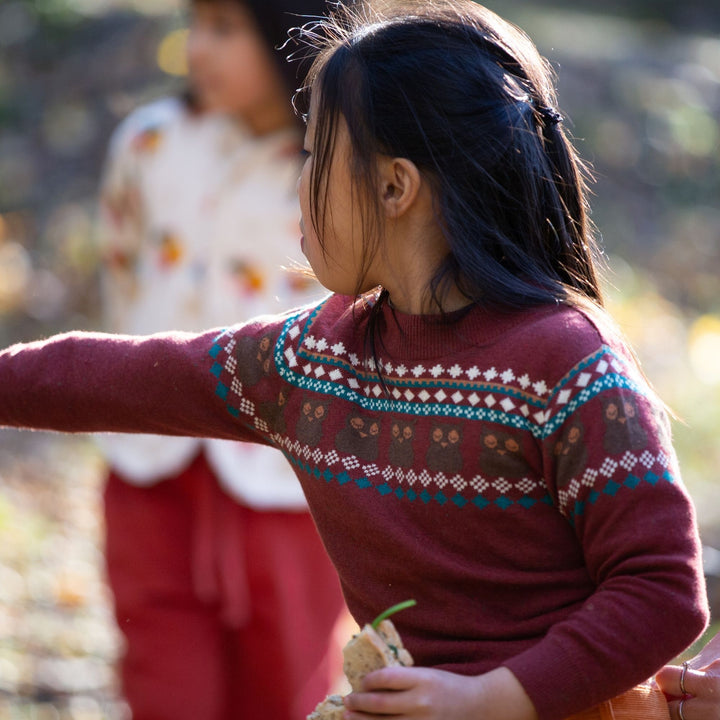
610 466
94 382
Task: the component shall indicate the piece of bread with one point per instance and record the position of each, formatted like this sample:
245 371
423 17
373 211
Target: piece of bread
369 650
331 708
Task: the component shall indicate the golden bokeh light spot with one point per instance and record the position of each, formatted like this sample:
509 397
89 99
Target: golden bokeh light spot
704 349
171 54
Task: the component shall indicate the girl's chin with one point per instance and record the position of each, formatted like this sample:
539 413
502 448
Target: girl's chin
214 102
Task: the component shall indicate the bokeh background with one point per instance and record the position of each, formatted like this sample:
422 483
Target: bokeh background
639 82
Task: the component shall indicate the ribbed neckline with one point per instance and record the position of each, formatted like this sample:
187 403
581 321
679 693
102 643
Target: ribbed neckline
423 337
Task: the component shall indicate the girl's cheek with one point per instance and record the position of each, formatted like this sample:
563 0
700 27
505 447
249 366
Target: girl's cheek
299 183
303 184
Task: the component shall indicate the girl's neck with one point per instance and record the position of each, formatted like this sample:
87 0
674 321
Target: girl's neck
449 301
414 250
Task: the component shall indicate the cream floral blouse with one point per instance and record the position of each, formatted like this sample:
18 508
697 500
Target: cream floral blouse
199 229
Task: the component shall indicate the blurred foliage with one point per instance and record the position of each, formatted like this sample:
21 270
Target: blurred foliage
688 15
67 77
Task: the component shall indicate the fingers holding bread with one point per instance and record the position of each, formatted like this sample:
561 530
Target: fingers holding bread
377 645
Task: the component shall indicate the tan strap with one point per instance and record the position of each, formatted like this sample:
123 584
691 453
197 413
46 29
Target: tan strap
643 702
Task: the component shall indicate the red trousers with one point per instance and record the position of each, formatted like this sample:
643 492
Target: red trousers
228 613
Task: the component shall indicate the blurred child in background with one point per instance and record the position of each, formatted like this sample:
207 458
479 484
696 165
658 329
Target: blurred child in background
222 588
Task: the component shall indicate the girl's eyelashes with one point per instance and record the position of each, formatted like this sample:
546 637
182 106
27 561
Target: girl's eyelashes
304 153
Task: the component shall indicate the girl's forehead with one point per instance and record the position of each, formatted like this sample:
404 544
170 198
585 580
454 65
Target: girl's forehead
236 8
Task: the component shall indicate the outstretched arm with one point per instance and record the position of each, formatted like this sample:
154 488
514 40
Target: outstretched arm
94 382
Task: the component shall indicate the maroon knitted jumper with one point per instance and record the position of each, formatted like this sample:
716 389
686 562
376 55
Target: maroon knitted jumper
511 472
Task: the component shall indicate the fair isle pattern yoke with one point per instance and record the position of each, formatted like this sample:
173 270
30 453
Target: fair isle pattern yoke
443 391
501 396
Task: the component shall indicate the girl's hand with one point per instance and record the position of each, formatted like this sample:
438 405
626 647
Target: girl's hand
428 694
708 657
702 685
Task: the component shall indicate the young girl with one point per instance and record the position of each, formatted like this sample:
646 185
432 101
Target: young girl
205 536
468 427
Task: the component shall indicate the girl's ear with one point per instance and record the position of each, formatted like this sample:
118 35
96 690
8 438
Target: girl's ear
400 182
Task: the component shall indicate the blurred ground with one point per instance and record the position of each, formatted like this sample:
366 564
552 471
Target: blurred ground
58 641
640 84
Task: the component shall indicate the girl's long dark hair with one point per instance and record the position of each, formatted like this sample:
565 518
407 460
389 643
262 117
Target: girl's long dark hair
467 97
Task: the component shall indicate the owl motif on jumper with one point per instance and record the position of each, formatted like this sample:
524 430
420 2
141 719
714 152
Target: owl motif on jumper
623 430
570 454
359 437
402 434
443 453
309 423
254 358
274 412
501 455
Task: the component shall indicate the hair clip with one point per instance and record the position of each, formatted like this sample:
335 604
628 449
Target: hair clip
550 115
